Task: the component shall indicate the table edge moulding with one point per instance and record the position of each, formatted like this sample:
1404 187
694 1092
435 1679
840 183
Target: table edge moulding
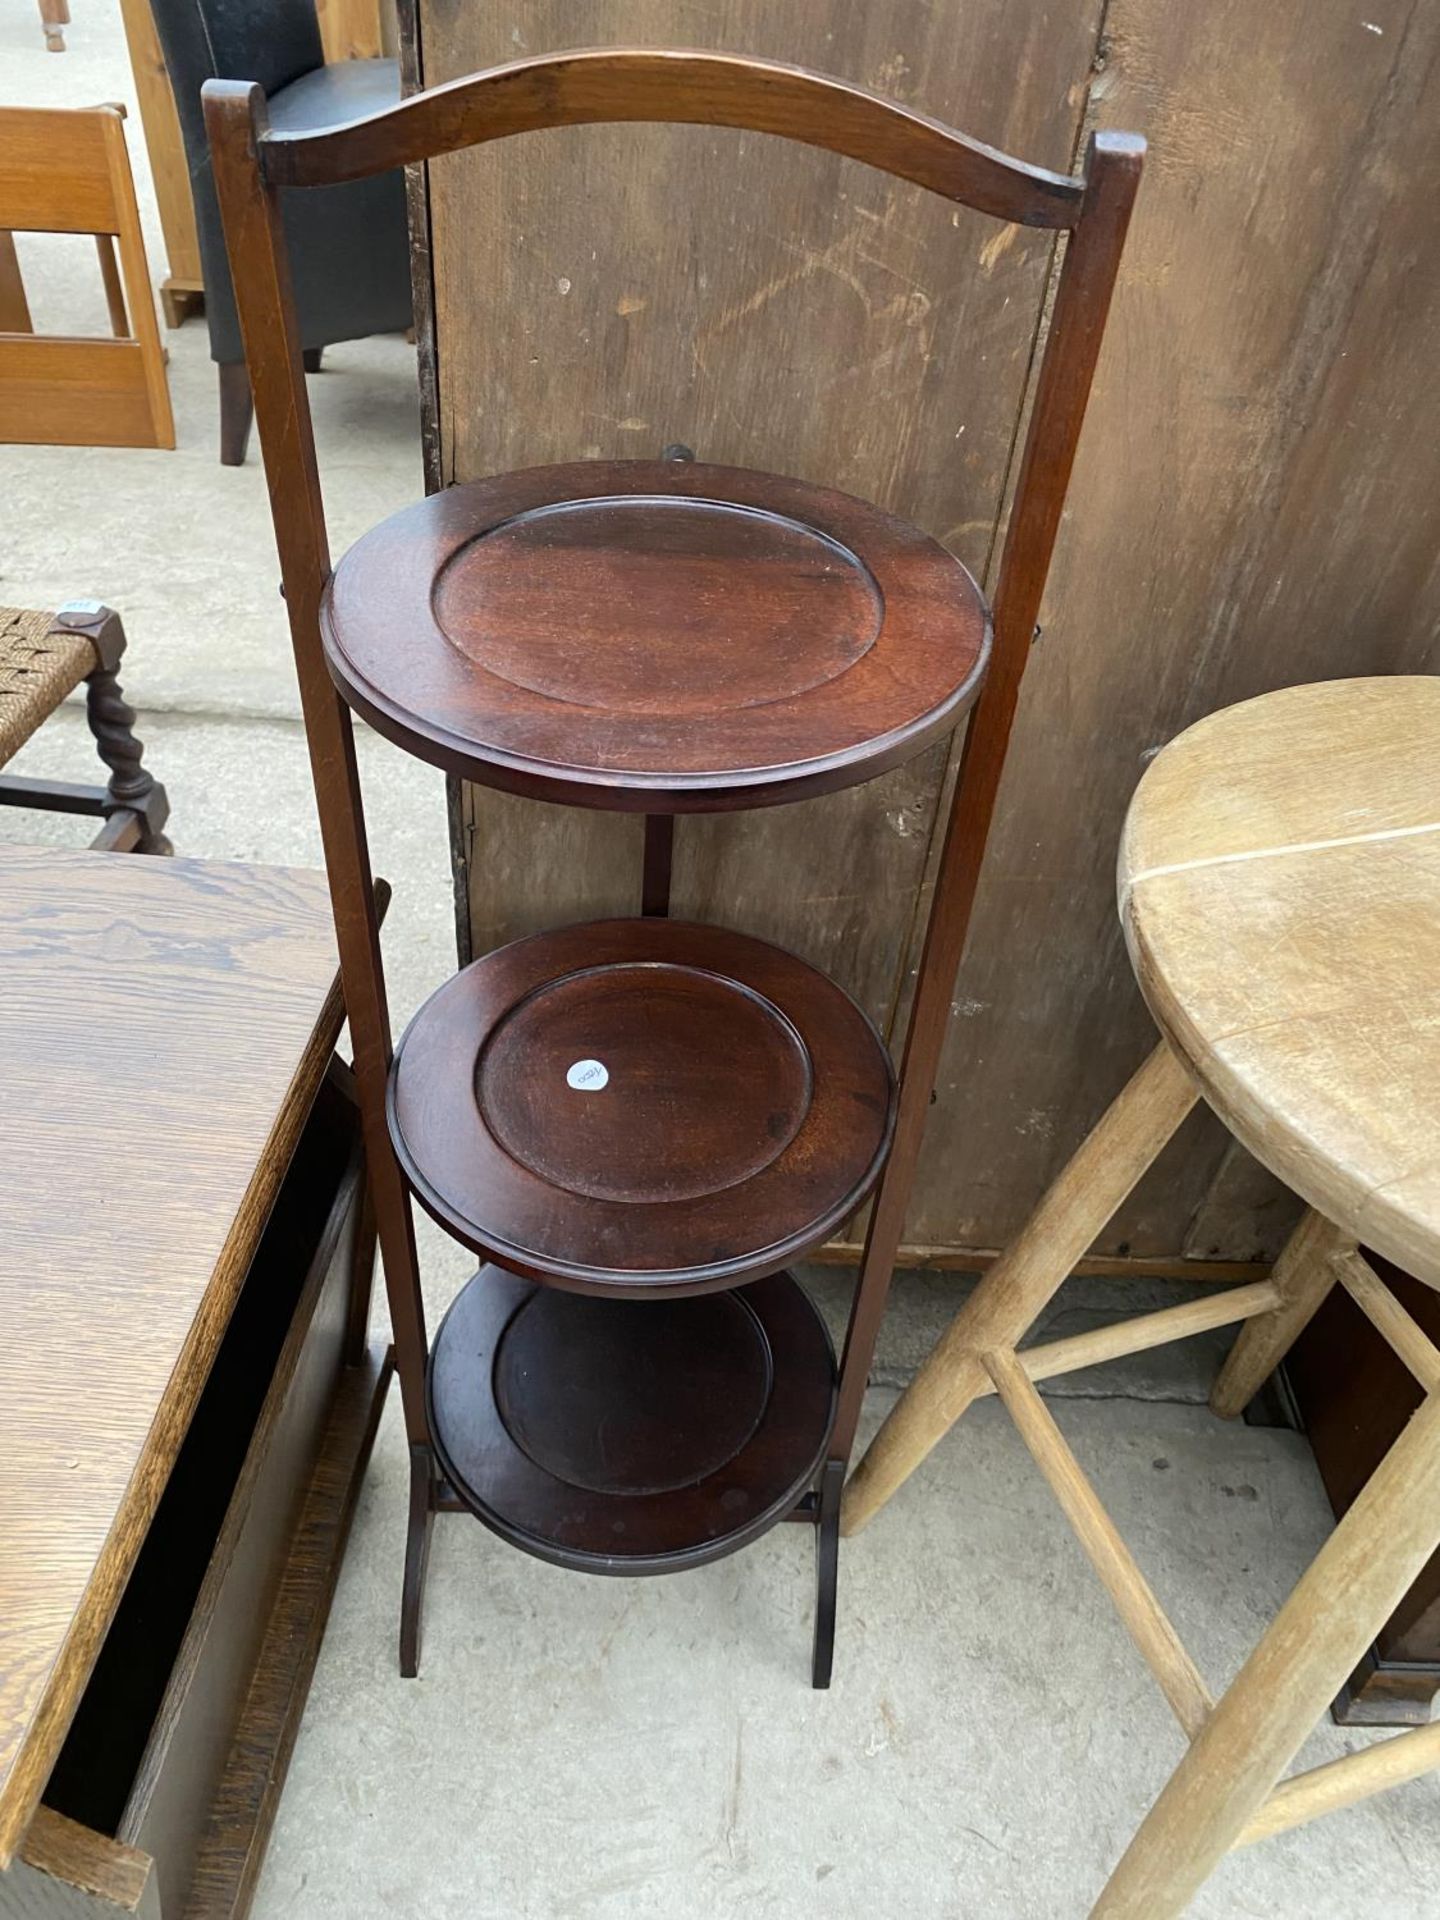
640 1123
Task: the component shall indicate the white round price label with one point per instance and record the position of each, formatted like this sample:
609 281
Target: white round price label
587 1076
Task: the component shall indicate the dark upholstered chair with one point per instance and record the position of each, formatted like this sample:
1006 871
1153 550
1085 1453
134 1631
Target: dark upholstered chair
349 250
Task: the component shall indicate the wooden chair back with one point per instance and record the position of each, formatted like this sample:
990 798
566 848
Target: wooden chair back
66 170
254 164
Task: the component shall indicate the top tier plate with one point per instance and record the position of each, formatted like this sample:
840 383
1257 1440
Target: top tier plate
655 636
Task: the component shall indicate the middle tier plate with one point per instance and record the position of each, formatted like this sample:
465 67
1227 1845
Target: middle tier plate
641 1106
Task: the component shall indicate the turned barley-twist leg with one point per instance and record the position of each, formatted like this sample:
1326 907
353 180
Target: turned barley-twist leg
132 787
136 807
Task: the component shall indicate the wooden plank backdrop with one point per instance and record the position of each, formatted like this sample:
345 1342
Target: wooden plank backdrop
1252 505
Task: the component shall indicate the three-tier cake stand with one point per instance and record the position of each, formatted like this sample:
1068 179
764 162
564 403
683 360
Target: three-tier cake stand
640 1124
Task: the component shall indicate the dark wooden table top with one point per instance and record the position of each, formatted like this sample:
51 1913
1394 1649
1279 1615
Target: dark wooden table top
164 1026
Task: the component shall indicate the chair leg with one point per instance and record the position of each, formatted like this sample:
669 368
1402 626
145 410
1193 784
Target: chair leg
132 788
237 409
1313 1644
1303 1275
310 359
1002 1308
54 14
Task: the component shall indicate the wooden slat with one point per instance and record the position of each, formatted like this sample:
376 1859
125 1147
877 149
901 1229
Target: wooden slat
1126 1266
14 307
600 86
65 392
1385 1313
1143 1331
1145 1620
55 172
135 274
163 142
1345 1782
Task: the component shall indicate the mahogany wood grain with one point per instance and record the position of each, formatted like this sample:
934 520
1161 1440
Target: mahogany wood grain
252 165
679 86
208 1011
626 1437
647 635
256 241
641 1105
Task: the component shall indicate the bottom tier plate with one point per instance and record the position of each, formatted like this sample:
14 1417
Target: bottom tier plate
630 1437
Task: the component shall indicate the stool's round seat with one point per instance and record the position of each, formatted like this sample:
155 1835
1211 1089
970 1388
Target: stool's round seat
641 1106
654 635
1279 881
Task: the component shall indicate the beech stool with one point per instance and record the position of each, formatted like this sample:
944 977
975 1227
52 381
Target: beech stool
1279 884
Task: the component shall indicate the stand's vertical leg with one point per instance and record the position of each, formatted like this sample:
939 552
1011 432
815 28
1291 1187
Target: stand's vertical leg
659 857
827 1570
417 1558
264 299
1082 300
362 1278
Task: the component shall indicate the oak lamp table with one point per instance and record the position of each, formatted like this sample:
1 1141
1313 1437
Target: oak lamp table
1279 882
639 1124
186 1398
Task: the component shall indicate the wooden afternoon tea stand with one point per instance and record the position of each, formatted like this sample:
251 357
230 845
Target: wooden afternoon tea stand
639 1124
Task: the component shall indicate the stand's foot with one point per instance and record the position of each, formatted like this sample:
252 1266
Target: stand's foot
417 1556
827 1568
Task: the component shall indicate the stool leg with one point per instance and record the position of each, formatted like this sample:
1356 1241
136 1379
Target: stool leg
1313 1644
1003 1307
1303 1275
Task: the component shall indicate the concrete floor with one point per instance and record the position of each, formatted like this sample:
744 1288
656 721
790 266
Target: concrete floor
591 1748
